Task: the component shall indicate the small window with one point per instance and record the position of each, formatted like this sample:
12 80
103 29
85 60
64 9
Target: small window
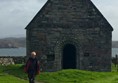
86 54
50 57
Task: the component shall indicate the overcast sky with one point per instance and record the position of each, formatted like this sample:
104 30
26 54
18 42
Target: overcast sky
16 14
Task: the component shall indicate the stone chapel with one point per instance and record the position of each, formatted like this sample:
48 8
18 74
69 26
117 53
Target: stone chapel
70 34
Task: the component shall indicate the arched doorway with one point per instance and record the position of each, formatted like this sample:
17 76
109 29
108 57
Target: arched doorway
69 57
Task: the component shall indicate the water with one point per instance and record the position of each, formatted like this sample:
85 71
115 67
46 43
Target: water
22 52
114 52
13 52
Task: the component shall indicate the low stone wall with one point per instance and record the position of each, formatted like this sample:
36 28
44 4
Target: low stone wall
11 60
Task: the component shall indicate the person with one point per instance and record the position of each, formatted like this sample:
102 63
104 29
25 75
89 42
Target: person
32 67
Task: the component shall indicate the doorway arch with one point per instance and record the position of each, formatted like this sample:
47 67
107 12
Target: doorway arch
69 57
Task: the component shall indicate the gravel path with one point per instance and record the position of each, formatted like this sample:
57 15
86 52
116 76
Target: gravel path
38 82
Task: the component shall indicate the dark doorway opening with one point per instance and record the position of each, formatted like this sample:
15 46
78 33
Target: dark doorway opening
69 57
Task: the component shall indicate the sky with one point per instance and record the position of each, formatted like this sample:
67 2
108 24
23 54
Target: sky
16 14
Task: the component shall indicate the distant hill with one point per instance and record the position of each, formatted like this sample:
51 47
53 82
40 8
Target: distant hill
114 44
12 42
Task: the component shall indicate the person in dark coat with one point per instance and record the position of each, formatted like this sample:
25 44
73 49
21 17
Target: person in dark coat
32 67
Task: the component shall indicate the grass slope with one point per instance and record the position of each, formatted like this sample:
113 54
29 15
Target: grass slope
15 74
5 77
78 76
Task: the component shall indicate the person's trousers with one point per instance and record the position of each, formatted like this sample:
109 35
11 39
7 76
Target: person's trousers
31 78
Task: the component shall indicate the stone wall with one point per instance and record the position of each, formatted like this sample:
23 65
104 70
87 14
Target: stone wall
93 47
8 60
76 22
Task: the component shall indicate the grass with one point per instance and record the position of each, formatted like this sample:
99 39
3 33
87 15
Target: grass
15 74
5 78
9 77
78 76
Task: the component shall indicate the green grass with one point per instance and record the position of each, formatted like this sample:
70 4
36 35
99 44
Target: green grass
11 77
5 78
78 76
15 74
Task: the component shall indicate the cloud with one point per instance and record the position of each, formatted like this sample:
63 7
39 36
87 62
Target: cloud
109 10
16 14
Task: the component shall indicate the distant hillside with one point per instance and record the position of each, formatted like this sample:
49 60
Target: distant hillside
12 42
114 44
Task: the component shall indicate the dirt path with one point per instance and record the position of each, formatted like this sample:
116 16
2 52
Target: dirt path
38 82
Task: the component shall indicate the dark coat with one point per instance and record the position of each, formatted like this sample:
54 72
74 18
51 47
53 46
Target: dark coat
32 66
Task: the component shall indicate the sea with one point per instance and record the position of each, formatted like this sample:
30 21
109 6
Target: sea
13 51
22 52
